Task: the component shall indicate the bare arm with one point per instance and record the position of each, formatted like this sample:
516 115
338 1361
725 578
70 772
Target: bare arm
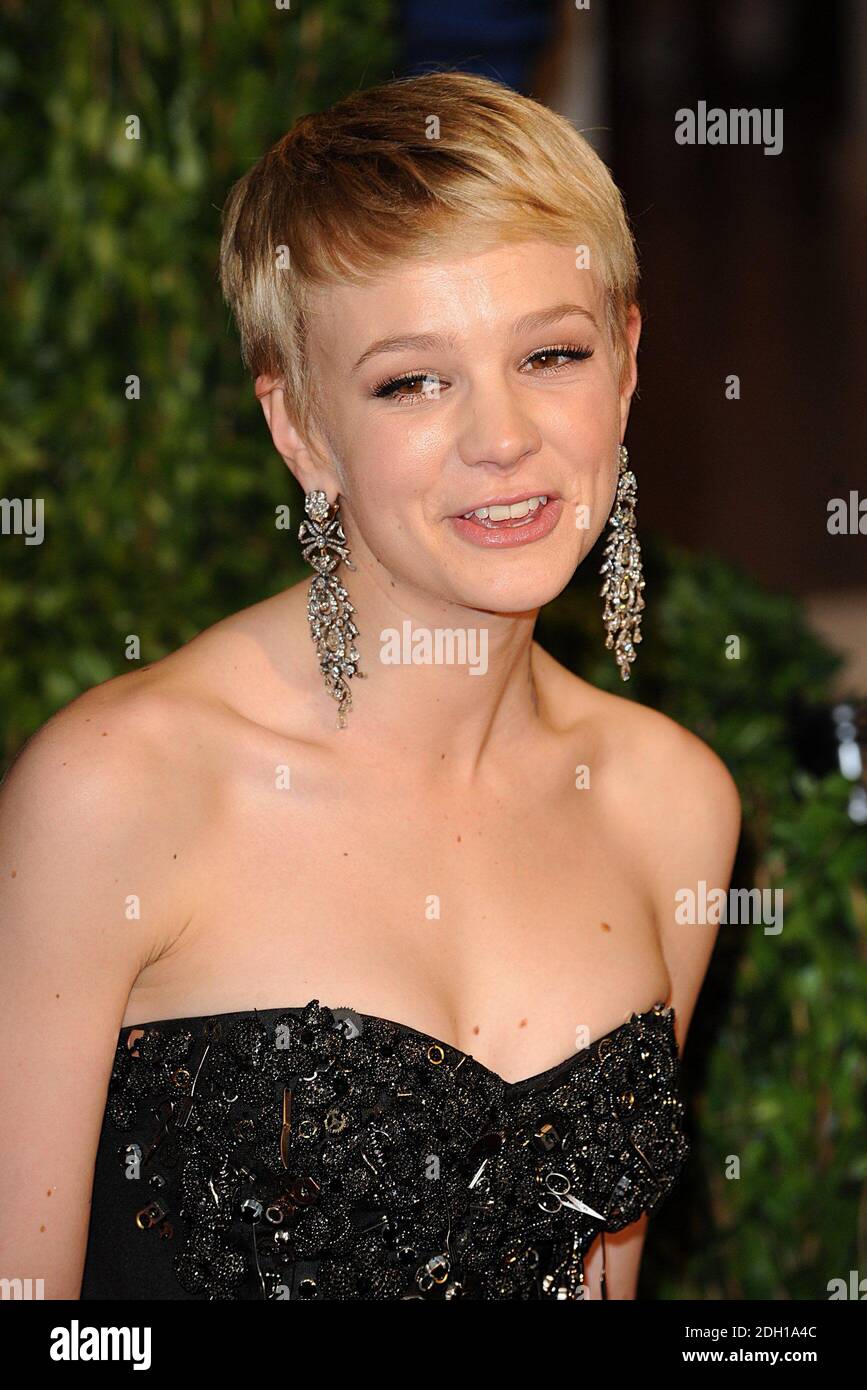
82 838
698 846
689 821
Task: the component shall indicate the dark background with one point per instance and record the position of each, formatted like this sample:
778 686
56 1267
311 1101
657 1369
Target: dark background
752 264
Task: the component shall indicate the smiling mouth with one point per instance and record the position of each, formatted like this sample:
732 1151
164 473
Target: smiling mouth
516 514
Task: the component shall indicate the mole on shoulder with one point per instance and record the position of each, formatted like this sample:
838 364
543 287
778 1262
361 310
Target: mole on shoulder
523 1023
604 926
459 839
476 1029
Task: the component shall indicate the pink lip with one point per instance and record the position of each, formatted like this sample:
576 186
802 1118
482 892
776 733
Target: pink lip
541 524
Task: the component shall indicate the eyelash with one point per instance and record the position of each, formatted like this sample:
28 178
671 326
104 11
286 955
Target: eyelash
384 390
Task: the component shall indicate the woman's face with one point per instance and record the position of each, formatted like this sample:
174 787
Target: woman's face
460 384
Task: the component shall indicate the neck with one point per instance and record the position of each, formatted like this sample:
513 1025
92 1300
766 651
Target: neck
445 686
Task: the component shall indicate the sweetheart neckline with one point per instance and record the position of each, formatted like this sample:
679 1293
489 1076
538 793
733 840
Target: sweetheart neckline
663 1010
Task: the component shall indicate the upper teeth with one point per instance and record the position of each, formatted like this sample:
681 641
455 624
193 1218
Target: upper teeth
517 509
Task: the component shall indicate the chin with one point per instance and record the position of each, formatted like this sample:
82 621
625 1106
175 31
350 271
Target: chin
513 593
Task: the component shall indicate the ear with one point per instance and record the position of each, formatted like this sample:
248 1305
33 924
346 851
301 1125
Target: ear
304 457
630 376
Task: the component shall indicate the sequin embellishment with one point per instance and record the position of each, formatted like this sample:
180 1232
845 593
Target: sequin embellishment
318 1153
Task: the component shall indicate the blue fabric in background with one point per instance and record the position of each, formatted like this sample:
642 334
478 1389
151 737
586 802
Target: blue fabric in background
501 39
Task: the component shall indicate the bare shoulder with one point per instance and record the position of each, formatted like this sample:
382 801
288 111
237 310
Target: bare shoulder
682 809
79 819
142 755
97 755
648 760
118 786
147 721
73 764
675 810
674 768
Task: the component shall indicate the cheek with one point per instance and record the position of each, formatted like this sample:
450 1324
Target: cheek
401 471
604 488
586 443
389 490
584 419
593 457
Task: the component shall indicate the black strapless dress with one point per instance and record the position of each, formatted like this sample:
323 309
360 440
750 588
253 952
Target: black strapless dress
321 1153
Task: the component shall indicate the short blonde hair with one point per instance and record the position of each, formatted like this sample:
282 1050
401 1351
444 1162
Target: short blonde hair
414 168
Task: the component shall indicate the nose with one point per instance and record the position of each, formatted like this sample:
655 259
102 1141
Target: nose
495 428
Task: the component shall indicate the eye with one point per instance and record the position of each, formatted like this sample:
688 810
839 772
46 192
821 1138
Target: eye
570 351
392 387
422 386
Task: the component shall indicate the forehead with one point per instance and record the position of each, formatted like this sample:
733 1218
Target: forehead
465 297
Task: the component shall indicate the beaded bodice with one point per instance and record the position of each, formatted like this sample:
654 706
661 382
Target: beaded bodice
322 1153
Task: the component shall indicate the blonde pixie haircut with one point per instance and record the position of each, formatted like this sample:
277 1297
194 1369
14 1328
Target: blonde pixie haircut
416 168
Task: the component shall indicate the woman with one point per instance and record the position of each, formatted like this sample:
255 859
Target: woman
417 816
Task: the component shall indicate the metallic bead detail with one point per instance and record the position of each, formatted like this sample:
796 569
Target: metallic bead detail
329 610
621 564
406 1168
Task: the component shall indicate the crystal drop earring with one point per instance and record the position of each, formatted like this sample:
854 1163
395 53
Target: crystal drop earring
621 565
329 611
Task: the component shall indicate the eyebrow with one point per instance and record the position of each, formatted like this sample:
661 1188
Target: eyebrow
539 318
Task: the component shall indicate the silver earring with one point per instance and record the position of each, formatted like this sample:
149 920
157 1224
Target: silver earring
621 565
329 610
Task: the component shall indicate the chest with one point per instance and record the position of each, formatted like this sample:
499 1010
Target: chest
510 923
